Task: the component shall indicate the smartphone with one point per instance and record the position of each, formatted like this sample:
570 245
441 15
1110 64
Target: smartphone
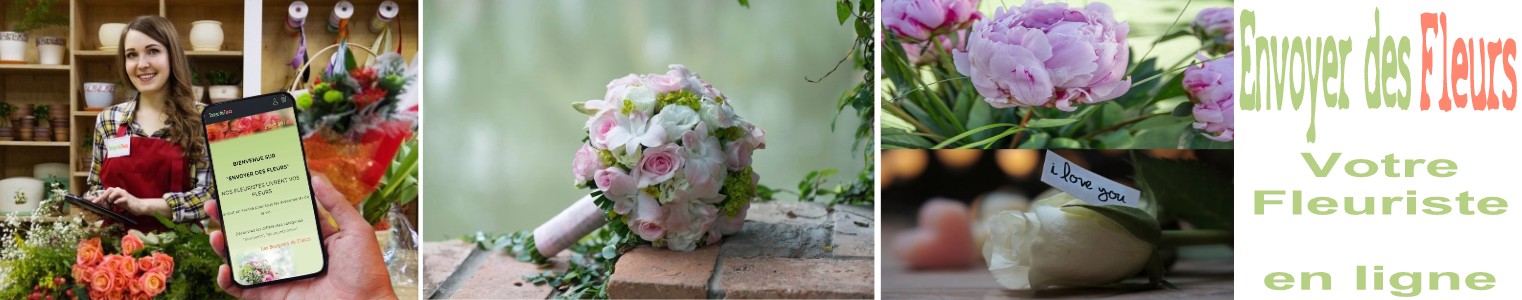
268 211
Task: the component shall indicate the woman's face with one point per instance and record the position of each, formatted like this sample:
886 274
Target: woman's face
147 62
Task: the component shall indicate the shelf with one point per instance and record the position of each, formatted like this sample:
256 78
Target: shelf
34 68
81 174
96 55
39 144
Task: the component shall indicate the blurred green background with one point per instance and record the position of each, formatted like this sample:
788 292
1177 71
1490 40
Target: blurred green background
501 134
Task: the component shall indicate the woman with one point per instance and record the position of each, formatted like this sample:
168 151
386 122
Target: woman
158 164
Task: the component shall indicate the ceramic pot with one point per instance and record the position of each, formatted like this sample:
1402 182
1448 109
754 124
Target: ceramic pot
12 47
50 50
99 94
42 134
206 35
220 93
110 35
198 92
25 190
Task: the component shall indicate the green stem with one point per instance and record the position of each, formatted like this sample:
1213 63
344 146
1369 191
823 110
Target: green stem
1160 37
1117 126
1196 237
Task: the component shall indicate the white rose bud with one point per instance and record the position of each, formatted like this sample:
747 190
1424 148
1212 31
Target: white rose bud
1062 241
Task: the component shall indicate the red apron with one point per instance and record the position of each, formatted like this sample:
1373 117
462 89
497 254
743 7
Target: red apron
151 168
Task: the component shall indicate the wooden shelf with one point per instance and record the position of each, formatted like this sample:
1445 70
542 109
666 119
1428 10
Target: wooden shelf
34 68
37 144
81 174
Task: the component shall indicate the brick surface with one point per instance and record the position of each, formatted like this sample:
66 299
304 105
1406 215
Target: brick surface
787 212
647 272
760 239
501 276
441 259
796 278
852 235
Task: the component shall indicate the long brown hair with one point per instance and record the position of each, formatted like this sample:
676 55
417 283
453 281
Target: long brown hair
184 122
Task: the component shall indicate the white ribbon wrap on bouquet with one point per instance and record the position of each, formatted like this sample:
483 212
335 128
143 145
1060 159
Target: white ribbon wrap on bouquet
569 226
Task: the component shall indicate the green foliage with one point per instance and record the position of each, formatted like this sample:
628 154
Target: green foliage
195 263
1190 189
591 261
222 78
42 264
27 15
858 99
399 185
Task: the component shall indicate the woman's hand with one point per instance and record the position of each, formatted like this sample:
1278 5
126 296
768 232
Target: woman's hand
134 205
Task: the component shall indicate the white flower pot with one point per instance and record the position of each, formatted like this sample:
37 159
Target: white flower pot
28 190
111 35
99 94
198 92
12 47
220 93
206 35
50 50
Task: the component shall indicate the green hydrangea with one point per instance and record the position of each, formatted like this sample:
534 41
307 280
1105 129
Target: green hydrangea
679 97
728 134
304 101
740 190
332 97
627 108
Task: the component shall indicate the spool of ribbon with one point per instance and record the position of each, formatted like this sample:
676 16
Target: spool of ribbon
341 14
296 17
388 11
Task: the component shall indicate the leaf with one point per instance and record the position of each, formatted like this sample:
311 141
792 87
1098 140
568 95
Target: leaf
1044 123
1190 189
1119 139
745 3
979 115
1184 109
1141 224
1037 141
898 139
1174 87
959 137
891 121
842 10
1181 32
1064 143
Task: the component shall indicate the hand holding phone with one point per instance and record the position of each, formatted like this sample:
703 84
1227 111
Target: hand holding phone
356 256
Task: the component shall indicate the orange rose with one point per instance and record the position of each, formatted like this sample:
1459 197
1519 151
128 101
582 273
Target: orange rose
82 273
123 283
89 252
116 294
164 264
131 244
152 283
108 264
101 282
146 263
128 265
97 295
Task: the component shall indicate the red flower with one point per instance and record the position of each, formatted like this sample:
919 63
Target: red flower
365 76
368 96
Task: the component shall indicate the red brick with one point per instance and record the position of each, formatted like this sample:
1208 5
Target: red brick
796 278
788 212
647 272
501 276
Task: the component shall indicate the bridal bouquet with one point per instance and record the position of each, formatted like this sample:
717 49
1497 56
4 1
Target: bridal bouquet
666 155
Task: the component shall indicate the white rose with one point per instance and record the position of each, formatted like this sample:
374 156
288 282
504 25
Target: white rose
1059 244
643 98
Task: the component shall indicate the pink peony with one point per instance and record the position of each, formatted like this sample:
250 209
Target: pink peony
1214 28
659 164
917 20
586 163
647 218
1209 87
1047 55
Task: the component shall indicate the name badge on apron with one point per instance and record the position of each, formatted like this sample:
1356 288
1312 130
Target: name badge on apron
118 147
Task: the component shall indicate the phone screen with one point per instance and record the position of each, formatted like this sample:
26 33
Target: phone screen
268 211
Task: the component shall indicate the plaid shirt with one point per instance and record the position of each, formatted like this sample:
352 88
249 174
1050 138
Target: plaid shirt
185 206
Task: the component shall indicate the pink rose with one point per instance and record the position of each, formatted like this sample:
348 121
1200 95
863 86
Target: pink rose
618 186
919 19
741 150
618 87
1209 87
1214 28
586 163
1047 55
659 164
647 218
666 83
598 128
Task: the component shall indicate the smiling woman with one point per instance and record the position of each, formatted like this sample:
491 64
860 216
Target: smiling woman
158 165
